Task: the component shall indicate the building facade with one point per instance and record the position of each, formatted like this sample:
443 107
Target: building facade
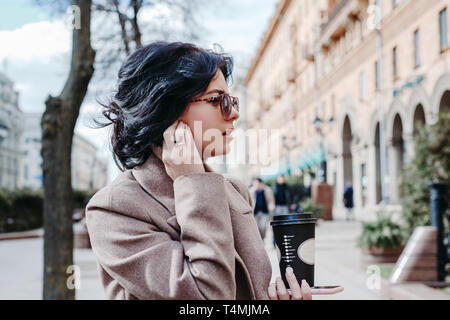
89 170
347 82
31 144
11 126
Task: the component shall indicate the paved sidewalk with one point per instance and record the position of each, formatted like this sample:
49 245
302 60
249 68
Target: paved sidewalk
337 261
21 271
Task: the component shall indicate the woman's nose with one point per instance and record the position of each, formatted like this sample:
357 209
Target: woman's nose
234 114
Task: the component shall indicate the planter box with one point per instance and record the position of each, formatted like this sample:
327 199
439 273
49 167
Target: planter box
375 254
81 236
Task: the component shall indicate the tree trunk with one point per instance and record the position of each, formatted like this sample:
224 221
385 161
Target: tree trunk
122 22
58 123
137 32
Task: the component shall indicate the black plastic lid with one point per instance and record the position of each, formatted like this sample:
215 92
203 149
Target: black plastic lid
293 218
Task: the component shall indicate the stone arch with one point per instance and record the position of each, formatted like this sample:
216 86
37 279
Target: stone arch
396 157
374 121
348 110
419 97
377 161
395 109
442 85
346 140
444 103
418 117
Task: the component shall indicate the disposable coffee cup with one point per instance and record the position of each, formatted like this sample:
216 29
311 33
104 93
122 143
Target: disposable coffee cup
295 244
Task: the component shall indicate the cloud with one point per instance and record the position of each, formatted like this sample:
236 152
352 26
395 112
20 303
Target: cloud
38 56
41 40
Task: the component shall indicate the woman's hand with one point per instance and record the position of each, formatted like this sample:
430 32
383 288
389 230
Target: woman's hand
180 154
278 291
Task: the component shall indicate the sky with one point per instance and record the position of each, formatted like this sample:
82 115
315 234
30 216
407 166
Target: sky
35 52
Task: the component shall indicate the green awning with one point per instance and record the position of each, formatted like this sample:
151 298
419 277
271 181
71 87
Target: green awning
311 158
282 169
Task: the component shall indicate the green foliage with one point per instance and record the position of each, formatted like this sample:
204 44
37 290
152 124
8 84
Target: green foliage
382 233
294 180
295 184
5 208
80 199
430 163
296 188
21 210
308 206
271 182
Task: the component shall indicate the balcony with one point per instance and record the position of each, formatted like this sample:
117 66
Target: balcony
337 21
308 53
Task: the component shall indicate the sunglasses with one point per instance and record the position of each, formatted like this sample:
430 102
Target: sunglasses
227 103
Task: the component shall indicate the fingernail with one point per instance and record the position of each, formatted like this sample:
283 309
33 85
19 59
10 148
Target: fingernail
289 272
304 283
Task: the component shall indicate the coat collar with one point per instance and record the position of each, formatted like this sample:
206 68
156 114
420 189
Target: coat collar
153 178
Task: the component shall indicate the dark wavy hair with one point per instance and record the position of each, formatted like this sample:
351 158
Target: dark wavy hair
155 84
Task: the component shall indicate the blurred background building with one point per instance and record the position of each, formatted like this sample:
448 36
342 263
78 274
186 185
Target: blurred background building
347 85
20 148
11 126
89 170
31 143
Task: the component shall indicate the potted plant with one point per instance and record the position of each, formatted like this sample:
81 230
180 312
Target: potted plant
382 241
308 206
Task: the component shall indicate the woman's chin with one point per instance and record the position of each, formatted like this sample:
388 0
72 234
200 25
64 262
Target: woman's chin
221 150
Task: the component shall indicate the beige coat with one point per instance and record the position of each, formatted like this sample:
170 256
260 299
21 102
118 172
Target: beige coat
192 238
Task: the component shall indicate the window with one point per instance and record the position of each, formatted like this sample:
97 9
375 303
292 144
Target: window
416 48
362 86
333 105
443 29
394 63
394 4
361 30
364 183
377 75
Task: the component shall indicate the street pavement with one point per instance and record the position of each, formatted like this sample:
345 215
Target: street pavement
21 271
338 262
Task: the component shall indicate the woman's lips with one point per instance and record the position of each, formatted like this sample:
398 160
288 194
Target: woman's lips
227 136
228 131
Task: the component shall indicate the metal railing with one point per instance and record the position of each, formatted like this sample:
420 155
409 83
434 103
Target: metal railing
334 14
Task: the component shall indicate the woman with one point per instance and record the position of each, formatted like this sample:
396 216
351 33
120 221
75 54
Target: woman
169 227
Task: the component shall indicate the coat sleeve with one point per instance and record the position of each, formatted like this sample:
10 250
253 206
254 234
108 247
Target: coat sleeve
250 193
149 264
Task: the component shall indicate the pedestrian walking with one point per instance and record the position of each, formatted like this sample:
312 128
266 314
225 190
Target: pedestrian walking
264 204
348 201
282 196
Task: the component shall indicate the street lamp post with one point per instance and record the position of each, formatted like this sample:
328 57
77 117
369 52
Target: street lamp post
4 132
288 152
438 205
323 162
383 158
